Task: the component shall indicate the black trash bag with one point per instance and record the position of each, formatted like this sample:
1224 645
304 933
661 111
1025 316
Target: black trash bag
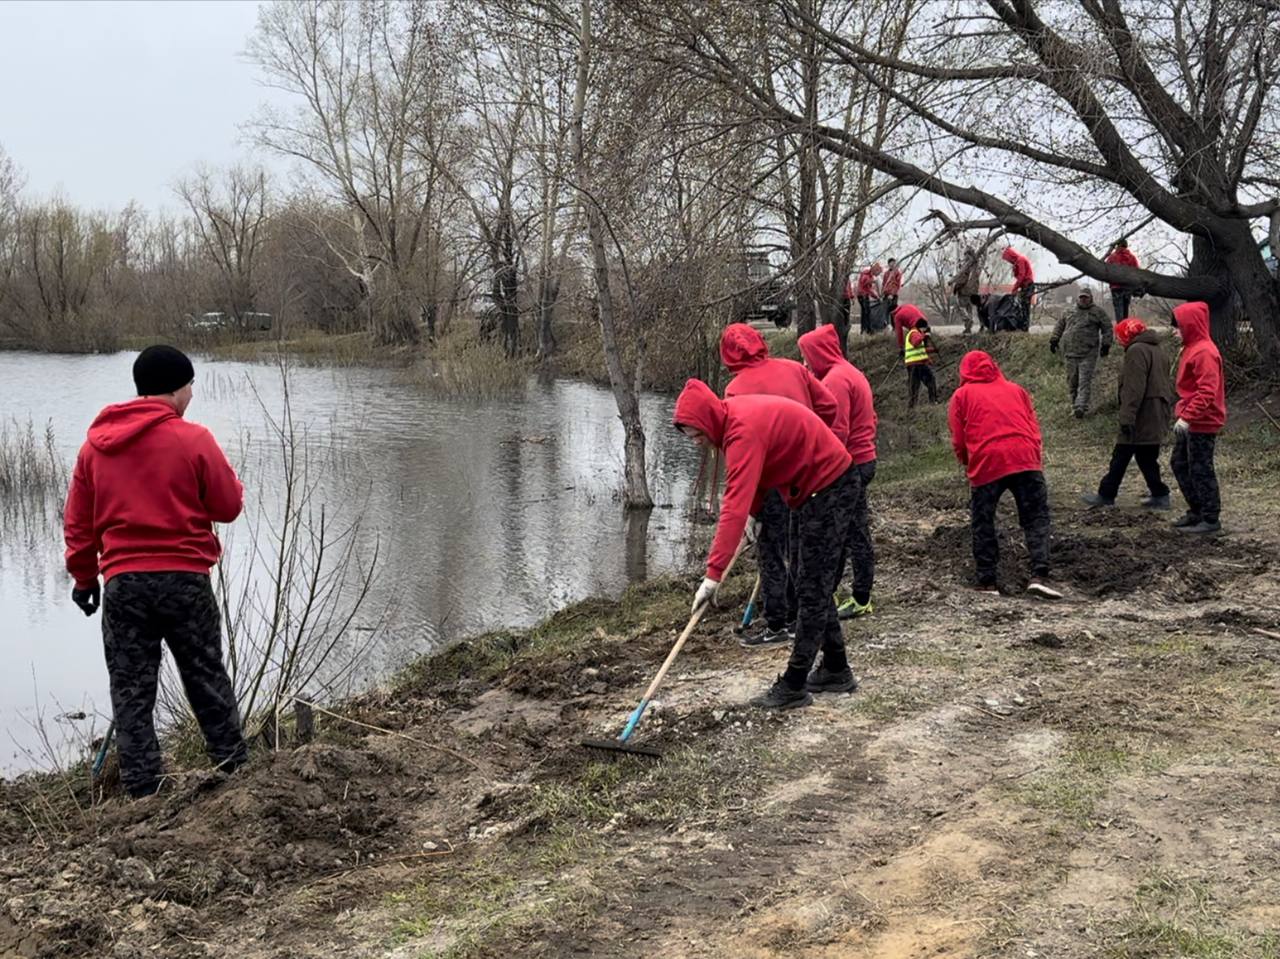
880 317
1004 314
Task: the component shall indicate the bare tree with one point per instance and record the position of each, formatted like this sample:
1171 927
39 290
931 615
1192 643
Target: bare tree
376 81
1096 113
230 216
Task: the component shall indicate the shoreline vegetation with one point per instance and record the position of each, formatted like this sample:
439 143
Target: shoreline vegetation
992 788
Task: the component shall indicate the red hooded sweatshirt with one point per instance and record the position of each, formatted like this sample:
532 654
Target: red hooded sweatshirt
768 443
147 488
1123 256
904 319
852 392
994 430
1023 275
1202 397
892 282
746 356
867 281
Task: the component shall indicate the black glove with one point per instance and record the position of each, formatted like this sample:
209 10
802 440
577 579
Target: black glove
902 354
1053 346
1126 433
88 599
1104 349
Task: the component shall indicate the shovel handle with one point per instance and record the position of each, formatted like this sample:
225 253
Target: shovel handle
688 631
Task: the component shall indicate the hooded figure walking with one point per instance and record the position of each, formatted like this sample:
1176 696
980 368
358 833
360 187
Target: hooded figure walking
1146 393
1201 413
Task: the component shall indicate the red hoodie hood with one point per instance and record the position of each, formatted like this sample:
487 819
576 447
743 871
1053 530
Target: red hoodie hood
821 349
699 407
907 314
742 346
1010 255
121 423
1193 322
979 367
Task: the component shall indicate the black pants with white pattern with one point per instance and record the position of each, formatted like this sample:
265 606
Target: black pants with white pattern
1031 495
139 612
824 524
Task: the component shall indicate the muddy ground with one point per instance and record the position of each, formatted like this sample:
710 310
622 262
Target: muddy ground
1096 777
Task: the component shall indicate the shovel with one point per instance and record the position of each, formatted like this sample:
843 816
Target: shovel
622 744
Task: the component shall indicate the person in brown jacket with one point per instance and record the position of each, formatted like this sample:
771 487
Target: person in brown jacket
1146 399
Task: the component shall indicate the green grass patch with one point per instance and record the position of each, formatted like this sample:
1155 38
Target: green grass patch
653 604
1070 792
1175 916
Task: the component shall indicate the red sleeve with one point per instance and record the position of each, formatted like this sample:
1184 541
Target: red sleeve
914 337
899 327
744 462
1035 421
955 419
77 527
820 398
1202 403
220 488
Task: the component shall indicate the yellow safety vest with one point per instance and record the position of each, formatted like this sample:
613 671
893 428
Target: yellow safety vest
912 353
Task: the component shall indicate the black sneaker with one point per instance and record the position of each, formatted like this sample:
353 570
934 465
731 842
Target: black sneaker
1202 528
1157 502
986 589
782 696
1187 519
823 680
1096 501
1078 413
762 638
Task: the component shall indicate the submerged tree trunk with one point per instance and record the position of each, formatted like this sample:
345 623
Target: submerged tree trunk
635 492
548 294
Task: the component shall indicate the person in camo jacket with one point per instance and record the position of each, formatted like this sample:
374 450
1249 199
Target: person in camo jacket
146 490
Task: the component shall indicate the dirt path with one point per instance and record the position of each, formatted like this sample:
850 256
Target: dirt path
1013 779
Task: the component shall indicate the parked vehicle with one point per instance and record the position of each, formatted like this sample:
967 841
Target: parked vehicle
766 297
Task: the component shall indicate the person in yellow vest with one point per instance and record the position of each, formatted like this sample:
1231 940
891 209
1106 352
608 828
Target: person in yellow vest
918 352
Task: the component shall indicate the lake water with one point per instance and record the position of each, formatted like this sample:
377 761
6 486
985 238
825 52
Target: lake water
482 513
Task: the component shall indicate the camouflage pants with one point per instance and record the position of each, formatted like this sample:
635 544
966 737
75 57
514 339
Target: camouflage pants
139 611
858 548
824 523
1032 498
1192 465
776 553
1080 370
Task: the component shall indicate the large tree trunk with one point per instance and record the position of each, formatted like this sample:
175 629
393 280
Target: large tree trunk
635 492
1253 294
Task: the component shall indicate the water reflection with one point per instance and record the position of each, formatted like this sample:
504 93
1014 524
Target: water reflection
485 513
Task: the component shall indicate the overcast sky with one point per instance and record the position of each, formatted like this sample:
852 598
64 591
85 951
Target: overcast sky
111 102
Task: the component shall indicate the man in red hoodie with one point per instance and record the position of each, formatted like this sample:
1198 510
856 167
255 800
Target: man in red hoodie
1201 413
1024 282
852 392
891 286
996 437
770 443
867 292
146 490
746 355
1121 295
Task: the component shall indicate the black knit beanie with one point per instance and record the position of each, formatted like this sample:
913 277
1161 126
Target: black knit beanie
161 369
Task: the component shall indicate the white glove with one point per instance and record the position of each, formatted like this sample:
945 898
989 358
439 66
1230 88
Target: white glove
752 532
706 593
1182 426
